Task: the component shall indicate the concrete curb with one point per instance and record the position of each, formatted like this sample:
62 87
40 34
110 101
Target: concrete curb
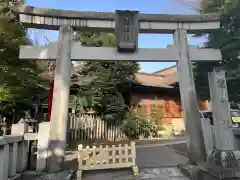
178 152
160 144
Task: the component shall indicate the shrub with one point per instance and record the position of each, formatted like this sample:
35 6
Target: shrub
134 126
130 125
156 115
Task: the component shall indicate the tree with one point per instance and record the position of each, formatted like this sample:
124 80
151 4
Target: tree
227 39
104 85
96 39
19 79
192 4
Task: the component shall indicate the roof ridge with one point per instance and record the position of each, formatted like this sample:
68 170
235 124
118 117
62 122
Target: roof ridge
150 74
164 69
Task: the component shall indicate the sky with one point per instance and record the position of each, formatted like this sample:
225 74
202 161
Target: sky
145 40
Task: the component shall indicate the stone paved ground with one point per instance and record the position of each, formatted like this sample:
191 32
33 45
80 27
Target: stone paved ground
32 175
169 173
155 162
158 156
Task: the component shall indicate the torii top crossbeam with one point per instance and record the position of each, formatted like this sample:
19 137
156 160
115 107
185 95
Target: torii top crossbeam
44 18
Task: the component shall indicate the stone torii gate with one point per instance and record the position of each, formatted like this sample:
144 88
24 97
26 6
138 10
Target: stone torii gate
64 51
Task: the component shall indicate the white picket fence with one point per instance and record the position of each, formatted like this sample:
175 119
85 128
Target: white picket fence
107 157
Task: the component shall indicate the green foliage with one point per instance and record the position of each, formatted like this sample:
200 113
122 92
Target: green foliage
156 115
217 5
96 39
18 79
134 126
130 125
227 38
104 86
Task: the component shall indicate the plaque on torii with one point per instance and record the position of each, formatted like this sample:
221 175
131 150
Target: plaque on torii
126 30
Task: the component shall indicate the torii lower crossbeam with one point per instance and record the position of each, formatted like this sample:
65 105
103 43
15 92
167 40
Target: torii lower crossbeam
80 53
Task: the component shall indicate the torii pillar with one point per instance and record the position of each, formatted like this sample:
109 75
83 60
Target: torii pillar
189 98
59 114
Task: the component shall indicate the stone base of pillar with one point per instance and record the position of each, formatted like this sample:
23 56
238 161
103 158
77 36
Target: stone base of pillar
208 172
201 172
215 173
220 165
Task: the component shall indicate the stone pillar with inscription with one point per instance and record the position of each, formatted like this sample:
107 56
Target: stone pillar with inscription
224 138
222 161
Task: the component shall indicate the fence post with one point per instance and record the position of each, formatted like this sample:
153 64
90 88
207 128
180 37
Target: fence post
120 155
5 161
126 153
13 147
23 147
42 147
133 150
19 129
21 156
3 157
79 171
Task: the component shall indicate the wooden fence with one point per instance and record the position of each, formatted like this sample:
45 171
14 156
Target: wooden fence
107 157
90 127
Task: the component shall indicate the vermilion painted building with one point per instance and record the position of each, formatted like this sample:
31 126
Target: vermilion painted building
160 90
